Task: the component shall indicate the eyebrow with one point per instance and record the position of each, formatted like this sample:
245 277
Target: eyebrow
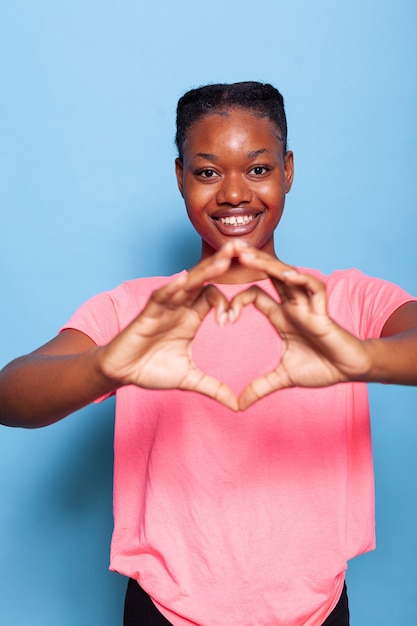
256 153
212 157
207 156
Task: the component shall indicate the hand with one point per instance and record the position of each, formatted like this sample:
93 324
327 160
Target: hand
155 350
316 351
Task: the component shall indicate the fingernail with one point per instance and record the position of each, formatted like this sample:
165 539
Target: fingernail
182 278
223 319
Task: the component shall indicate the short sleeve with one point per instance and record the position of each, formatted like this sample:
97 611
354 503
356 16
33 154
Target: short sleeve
371 301
104 316
97 318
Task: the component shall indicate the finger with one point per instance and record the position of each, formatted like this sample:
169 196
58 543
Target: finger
263 386
185 287
209 386
210 297
207 298
273 267
258 297
308 287
257 259
212 267
289 292
305 280
215 265
288 277
305 309
290 284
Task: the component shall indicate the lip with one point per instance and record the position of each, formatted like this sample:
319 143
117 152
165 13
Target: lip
236 212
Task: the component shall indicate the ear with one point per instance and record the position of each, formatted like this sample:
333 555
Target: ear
289 170
179 172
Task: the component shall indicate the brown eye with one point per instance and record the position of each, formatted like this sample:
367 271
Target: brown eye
259 170
207 173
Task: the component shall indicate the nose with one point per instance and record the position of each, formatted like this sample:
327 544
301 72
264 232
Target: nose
233 190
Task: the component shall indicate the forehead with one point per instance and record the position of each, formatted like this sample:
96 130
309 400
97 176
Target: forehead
235 128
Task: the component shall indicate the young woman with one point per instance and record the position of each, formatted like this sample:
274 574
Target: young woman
240 501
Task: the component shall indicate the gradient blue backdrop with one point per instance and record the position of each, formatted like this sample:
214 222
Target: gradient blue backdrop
88 199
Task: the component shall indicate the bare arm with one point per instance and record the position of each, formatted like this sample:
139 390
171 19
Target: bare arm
153 352
317 352
394 356
53 381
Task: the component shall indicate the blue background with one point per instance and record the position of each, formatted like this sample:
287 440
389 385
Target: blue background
88 198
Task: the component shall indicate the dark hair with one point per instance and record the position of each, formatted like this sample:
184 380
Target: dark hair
261 98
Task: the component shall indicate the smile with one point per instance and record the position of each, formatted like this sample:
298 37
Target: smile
236 220
237 225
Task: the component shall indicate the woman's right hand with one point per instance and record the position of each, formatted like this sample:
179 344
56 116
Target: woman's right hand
155 350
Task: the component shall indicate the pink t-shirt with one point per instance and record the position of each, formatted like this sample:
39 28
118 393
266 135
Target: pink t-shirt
249 518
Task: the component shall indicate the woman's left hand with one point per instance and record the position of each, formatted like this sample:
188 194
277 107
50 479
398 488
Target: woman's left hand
316 351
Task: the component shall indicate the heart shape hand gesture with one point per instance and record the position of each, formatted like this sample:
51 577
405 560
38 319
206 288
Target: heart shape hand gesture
155 350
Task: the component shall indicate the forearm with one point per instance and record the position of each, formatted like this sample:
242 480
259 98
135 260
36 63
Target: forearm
394 359
37 389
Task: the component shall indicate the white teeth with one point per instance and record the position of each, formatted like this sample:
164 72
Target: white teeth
234 221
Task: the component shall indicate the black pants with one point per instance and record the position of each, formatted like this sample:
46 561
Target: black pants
141 611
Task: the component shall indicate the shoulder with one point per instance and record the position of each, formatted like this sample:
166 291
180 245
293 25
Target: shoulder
342 278
359 302
139 287
129 297
352 280
108 312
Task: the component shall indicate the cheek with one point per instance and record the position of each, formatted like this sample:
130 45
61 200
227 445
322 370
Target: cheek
273 196
195 209
196 198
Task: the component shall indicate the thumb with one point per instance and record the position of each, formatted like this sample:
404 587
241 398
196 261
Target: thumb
263 386
210 386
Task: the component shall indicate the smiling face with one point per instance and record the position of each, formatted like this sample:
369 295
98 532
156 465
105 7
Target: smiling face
234 177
